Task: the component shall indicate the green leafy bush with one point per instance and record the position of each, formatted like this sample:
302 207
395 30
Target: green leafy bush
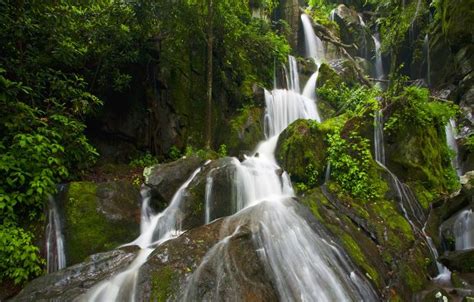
19 258
350 161
414 108
355 100
145 160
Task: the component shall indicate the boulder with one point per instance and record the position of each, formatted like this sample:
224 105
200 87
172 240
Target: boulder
461 261
73 281
301 151
99 217
165 179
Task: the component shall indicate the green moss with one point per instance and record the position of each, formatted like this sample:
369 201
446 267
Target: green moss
414 282
162 284
88 231
301 151
351 247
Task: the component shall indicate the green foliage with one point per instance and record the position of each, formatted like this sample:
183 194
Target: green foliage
144 160
469 143
174 153
350 161
414 108
19 258
222 150
355 100
320 11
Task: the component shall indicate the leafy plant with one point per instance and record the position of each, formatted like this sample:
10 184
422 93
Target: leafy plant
350 160
414 108
174 153
19 258
145 160
222 150
355 100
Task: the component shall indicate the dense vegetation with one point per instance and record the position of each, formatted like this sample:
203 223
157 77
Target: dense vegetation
65 64
61 61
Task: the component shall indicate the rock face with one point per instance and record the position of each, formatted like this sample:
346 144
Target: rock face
172 275
99 217
301 151
353 31
73 281
461 261
165 179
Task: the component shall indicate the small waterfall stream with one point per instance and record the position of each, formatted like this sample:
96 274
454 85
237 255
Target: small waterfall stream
450 131
155 229
408 203
55 255
426 46
313 45
379 72
463 230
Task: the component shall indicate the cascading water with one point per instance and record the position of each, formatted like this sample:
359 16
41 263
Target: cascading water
55 255
426 46
409 205
364 52
379 72
155 229
463 230
450 131
305 265
293 78
313 45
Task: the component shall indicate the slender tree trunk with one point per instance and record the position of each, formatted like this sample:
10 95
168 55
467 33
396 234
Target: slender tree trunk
210 39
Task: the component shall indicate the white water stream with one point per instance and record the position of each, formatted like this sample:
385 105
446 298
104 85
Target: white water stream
155 229
55 255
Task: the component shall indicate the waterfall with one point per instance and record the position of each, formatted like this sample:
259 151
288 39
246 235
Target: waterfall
313 45
332 15
426 46
379 72
293 78
55 255
309 90
364 53
379 149
305 264
463 230
155 229
450 131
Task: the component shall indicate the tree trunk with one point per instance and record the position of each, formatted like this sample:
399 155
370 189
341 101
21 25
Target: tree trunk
209 74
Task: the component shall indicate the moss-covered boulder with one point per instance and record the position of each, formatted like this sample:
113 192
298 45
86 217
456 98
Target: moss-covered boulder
301 151
99 217
165 179
461 261
376 236
243 130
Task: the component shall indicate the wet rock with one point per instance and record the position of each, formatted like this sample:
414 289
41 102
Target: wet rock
244 129
301 151
353 31
165 179
71 282
218 178
186 266
99 217
461 261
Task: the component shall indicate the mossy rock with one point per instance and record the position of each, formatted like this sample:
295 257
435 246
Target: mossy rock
420 157
99 217
302 151
246 130
461 261
176 263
